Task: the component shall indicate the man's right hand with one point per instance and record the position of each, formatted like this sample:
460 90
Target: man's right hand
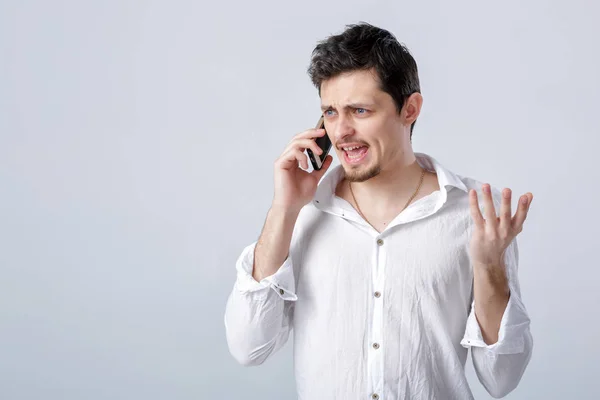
294 187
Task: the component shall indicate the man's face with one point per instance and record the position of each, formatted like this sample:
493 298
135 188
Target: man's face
363 124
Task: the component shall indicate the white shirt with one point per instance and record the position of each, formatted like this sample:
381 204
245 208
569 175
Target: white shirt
385 315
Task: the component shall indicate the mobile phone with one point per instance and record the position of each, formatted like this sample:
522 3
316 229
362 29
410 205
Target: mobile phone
324 143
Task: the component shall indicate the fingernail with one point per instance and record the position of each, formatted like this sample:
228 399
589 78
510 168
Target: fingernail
524 200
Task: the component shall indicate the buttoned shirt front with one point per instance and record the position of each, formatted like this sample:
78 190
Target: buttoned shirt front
385 315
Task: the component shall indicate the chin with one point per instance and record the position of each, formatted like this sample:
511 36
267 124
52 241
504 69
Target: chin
361 173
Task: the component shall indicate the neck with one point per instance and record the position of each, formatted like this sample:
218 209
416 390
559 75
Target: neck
396 183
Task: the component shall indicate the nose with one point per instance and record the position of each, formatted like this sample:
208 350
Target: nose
342 128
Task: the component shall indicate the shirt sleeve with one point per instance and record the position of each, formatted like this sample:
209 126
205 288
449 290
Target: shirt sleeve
500 366
281 281
258 315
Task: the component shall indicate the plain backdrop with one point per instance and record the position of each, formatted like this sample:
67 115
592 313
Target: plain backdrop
137 141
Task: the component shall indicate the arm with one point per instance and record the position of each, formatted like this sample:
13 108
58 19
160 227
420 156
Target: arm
258 315
497 328
491 294
274 243
259 309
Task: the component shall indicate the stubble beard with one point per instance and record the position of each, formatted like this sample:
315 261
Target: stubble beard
358 175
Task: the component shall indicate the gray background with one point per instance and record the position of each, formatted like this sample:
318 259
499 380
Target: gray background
137 140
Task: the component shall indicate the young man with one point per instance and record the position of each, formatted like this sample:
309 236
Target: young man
388 270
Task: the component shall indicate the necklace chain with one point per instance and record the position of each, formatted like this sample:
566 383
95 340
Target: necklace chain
407 203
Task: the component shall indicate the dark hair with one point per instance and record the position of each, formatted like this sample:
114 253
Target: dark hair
364 46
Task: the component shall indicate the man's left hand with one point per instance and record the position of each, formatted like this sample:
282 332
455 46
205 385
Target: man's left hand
492 234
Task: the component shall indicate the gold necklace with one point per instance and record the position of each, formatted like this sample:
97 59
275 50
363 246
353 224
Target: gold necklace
407 203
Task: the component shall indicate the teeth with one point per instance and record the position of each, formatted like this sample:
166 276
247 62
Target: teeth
351 148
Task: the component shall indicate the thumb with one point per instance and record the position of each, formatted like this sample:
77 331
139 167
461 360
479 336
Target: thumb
326 164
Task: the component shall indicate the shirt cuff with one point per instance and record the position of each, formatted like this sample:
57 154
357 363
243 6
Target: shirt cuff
511 336
282 281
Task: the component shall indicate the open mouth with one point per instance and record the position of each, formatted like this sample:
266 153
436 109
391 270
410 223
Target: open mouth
354 155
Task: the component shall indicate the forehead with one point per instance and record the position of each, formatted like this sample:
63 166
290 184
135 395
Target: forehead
351 87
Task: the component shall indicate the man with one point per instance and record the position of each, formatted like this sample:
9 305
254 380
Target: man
388 270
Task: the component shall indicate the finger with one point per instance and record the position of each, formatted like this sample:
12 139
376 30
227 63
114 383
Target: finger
310 133
505 209
301 158
291 159
303 144
521 214
326 163
488 203
474 206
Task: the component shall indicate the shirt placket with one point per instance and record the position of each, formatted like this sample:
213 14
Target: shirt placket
376 345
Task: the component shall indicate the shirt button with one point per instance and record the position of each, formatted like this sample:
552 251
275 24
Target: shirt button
375 346
281 292
375 396
380 242
377 294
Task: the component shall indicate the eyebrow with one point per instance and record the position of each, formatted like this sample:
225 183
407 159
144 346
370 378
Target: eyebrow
326 107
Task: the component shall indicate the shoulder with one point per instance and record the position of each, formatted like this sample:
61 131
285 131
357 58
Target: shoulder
309 215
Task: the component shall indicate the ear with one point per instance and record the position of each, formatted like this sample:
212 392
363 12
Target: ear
412 108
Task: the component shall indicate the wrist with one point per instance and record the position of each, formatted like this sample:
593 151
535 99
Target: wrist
285 211
492 279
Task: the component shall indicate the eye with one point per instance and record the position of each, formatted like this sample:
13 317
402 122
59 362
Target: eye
358 110
328 112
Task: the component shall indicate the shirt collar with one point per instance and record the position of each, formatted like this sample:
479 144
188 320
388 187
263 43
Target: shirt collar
325 198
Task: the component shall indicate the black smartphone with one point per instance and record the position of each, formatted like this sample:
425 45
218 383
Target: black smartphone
324 143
